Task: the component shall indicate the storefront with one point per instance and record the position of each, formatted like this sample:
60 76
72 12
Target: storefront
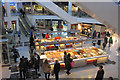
14 25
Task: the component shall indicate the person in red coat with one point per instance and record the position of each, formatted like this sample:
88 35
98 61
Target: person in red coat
100 73
47 36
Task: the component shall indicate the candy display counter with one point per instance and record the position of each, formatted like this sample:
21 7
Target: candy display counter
80 56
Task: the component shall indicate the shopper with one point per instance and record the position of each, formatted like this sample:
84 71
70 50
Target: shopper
22 66
16 54
32 30
4 53
94 34
36 63
110 41
106 40
68 64
100 73
43 35
56 69
110 78
47 36
88 34
104 45
32 41
46 69
19 36
65 57
26 67
32 51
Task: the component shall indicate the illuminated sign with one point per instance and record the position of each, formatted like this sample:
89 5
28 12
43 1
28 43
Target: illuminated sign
11 3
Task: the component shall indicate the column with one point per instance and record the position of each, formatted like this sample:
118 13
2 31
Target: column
31 8
1 26
44 23
70 8
16 8
69 12
7 4
93 28
17 25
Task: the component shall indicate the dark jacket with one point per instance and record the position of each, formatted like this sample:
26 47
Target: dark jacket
56 68
106 40
68 63
37 61
100 75
22 66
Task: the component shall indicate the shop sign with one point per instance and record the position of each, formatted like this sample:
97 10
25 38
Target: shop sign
11 3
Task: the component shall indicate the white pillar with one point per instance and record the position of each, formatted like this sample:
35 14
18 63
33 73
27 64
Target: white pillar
7 4
17 26
1 26
70 12
69 27
16 7
70 8
31 8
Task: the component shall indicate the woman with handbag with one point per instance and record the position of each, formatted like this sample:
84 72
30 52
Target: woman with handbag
46 68
56 69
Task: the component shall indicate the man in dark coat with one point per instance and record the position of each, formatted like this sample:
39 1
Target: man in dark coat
22 69
68 64
106 40
36 62
57 69
16 54
100 73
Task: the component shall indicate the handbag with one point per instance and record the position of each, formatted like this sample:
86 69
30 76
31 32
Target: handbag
73 64
52 73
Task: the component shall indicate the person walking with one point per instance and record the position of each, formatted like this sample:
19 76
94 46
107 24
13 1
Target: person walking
36 63
46 68
47 36
16 54
68 64
110 41
19 36
32 41
65 57
100 73
56 69
106 40
22 70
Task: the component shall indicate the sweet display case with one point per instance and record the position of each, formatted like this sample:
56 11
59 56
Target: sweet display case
80 56
63 43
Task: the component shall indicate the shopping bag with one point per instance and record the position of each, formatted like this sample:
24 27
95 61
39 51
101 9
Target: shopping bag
73 64
52 72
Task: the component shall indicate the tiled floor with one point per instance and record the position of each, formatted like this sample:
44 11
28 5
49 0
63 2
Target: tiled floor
89 71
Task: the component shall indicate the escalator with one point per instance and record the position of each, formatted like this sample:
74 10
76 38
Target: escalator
22 29
24 25
52 7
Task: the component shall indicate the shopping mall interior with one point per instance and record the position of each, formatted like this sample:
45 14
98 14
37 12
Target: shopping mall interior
53 39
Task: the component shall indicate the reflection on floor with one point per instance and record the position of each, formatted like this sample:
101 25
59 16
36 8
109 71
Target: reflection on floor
89 71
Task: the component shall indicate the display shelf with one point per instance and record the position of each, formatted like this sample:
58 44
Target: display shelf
78 61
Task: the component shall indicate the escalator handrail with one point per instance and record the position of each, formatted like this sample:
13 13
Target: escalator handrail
22 28
24 25
28 21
